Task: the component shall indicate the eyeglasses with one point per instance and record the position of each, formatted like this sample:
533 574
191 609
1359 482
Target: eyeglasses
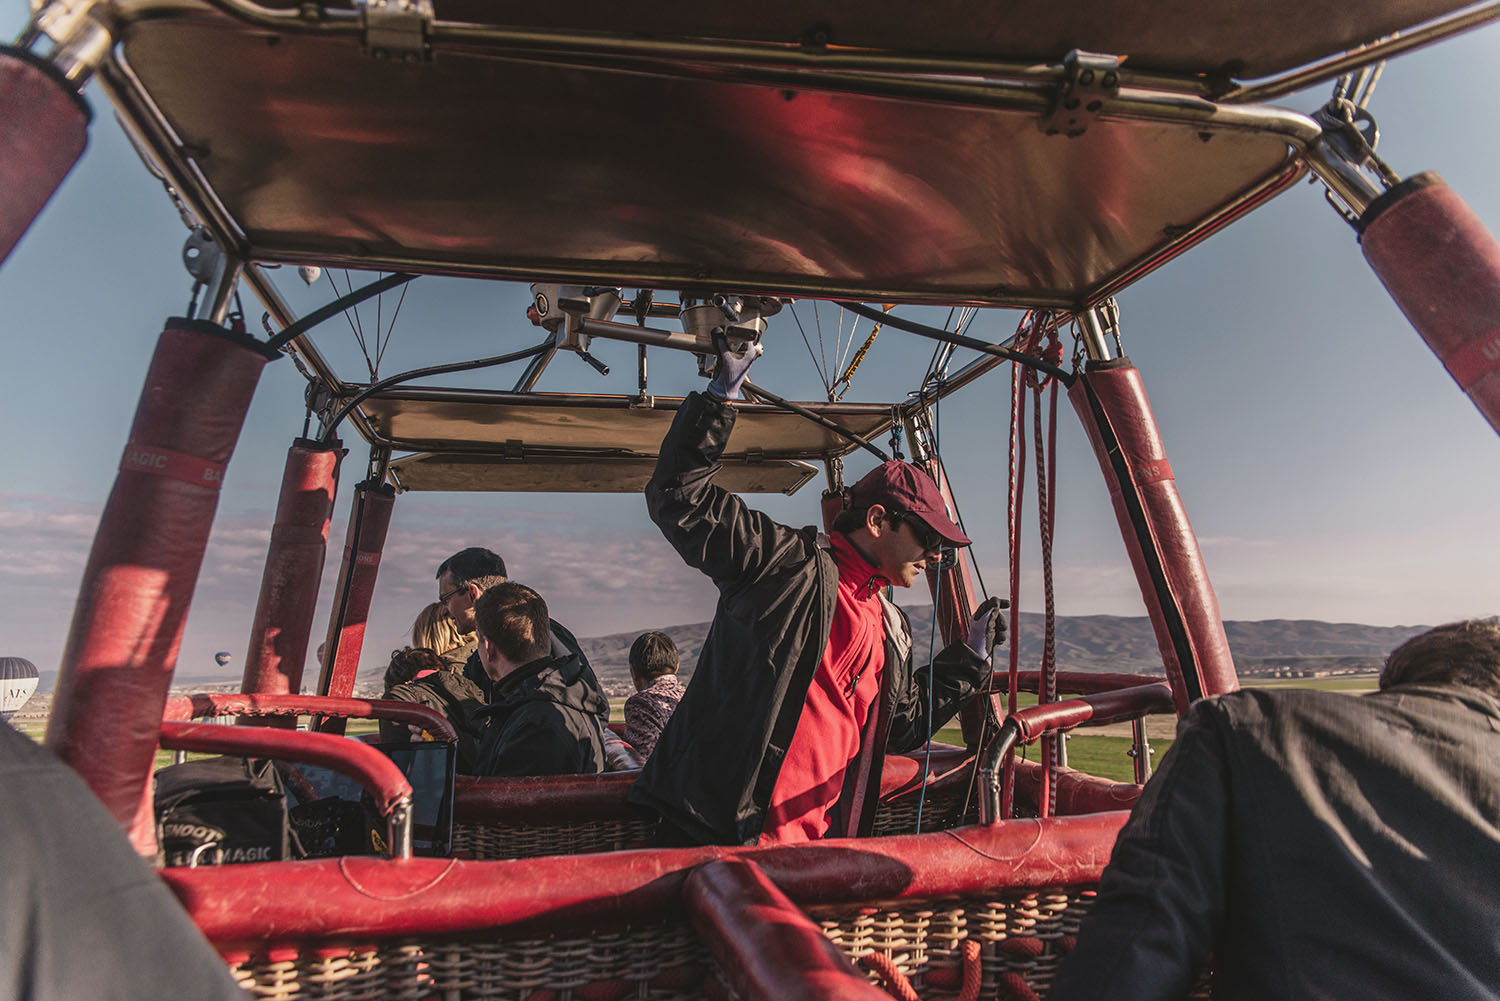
926 536
445 595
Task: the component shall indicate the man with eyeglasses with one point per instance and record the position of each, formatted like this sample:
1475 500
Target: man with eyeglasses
461 579
806 677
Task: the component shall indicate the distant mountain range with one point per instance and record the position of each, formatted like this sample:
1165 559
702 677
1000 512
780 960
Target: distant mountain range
1097 643
1084 643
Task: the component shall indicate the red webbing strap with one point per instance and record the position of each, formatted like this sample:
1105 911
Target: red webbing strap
375 772
42 134
283 621
368 522
1442 267
767 949
265 904
141 572
1112 406
204 705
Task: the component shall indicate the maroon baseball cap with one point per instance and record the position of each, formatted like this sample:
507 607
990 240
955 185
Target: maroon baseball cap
902 486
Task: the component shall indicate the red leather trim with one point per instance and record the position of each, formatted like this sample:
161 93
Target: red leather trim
558 799
1086 682
368 524
1078 793
1112 406
282 628
1104 707
1442 267
767 949
551 799
43 132
262 905
207 704
373 770
152 461
139 580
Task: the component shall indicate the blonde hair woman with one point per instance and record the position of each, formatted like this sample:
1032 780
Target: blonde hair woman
435 630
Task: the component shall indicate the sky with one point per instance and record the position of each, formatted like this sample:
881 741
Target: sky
1331 468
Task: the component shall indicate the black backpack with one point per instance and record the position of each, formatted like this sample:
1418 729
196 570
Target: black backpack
222 810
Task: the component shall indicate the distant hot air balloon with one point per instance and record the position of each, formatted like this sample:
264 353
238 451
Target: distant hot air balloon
223 657
18 678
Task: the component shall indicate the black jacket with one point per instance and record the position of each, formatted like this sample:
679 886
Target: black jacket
544 721
564 643
1320 846
453 695
714 769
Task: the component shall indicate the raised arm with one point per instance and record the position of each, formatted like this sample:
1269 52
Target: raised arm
711 528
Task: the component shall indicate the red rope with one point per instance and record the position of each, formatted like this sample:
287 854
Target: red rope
892 979
1015 492
973 971
898 986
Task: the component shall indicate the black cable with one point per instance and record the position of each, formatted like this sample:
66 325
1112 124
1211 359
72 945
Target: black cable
417 373
922 330
818 419
338 305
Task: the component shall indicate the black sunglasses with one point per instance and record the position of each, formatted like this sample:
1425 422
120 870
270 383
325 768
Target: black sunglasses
927 537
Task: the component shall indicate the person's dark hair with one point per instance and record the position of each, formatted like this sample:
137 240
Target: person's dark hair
514 618
1459 653
850 520
409 662
472 564
653 655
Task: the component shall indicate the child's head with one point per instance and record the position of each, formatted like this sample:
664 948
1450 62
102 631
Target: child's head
651 656
407 663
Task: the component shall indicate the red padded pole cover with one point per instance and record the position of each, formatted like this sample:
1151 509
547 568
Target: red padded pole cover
1111 402
294 567
766 947
1442 267
368 522
43 129
140 576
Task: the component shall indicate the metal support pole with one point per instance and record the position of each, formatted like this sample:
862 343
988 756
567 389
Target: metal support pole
1330 159
1140 750
612 331
1095 340
219 289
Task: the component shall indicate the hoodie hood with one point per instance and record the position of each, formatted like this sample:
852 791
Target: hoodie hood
551 679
